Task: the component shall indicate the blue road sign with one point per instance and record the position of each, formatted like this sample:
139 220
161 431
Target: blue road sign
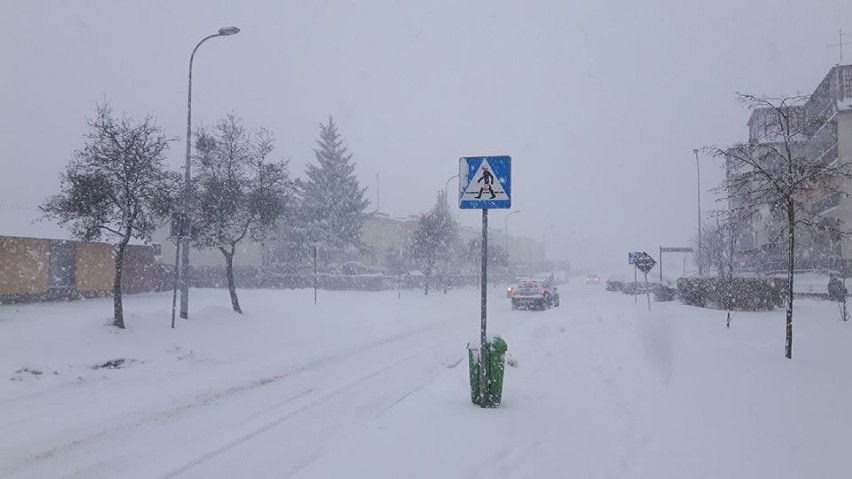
633 256
485 182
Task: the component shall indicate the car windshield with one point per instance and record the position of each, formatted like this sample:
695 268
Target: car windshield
530 286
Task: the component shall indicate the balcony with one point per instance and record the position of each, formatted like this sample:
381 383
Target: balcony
826 204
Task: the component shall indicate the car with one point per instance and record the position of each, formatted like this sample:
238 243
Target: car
535 294
593 279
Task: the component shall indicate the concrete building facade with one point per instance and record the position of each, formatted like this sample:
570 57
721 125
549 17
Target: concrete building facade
823 136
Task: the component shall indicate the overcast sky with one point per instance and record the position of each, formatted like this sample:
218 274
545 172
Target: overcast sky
599 103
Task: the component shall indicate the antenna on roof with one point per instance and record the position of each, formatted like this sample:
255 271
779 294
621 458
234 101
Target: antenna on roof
840 45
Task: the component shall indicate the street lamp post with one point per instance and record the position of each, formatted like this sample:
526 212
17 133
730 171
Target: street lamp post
544 243
698 171
506 229
447 189
185 233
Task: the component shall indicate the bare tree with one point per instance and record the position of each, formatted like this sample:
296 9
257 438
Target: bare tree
712 247
719 242
776 176
435 239
239 192
116 187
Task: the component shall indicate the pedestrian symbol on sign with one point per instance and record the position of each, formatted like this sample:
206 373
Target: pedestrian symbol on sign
487 180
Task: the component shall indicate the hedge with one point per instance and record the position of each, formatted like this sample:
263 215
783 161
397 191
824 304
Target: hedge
739 294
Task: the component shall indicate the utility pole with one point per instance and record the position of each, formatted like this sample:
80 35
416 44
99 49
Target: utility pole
698 170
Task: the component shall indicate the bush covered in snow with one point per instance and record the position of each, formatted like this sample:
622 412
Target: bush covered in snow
663 292
741 294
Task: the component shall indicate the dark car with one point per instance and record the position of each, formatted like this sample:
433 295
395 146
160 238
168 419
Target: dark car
535 294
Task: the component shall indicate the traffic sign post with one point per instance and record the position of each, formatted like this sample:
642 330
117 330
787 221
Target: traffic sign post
645 263
632 256
484 182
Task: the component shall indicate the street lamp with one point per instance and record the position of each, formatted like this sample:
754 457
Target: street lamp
506 229
186 230
544 243
447 189
698 170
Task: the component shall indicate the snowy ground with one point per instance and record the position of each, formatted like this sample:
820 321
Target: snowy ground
368 385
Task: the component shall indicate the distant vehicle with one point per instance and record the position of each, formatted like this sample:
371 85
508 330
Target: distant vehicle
535 294
593 279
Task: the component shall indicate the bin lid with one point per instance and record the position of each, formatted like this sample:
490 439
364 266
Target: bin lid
497 343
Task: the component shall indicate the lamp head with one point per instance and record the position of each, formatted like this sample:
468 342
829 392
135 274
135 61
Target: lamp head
229 30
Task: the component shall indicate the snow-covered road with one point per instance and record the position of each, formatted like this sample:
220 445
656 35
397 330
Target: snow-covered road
372 385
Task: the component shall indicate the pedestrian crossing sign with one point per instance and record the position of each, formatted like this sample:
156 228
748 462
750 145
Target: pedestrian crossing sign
485 182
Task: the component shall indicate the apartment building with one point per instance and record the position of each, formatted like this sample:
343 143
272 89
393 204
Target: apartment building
821 129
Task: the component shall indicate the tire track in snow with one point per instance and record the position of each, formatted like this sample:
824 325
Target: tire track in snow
290 414
211 399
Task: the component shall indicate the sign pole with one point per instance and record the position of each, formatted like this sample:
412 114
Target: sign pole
177 273
315 274
483 288
635 280
647 291
661 265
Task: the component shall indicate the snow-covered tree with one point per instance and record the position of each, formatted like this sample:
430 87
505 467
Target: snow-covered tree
333 204
776 175
239 192
435 239
718 245
116 187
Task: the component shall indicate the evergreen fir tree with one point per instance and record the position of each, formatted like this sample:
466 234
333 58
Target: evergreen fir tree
333 203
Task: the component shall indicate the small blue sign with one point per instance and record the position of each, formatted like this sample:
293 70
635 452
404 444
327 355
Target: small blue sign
633 256
485 182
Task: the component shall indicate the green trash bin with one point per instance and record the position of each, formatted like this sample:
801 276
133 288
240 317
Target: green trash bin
495 361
